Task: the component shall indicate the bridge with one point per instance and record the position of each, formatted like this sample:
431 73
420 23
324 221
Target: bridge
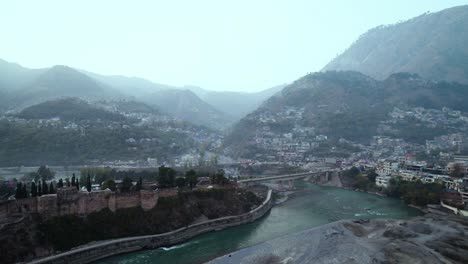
322 174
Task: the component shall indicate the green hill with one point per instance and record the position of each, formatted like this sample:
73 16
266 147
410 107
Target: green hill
346 105
68 109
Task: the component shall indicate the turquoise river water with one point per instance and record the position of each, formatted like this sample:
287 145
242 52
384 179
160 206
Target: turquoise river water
309 207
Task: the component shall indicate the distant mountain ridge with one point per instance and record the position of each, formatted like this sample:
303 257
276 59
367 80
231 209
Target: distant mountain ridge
68 109
236 104
186 105
22 87
431 45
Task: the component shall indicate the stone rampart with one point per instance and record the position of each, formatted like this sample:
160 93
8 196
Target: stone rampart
69 201
95 251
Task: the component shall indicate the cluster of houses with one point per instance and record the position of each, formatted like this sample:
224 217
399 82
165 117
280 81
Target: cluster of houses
410 170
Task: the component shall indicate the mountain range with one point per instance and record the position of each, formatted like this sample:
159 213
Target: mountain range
432 45
342 105
417 63
21 87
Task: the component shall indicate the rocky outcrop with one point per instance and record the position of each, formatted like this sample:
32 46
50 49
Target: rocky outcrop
428 239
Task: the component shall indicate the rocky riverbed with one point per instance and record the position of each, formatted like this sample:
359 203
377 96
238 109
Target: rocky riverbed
431 238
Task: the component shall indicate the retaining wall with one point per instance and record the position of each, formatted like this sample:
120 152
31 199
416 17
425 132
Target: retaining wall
105 249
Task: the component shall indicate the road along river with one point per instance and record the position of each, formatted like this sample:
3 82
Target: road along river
309 207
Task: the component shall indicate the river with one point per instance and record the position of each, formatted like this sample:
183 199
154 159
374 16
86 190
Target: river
309 207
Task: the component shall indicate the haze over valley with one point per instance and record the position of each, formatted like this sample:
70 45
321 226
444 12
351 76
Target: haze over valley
368 147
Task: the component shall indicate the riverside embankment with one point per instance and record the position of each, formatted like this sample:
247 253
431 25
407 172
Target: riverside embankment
99 250
310 206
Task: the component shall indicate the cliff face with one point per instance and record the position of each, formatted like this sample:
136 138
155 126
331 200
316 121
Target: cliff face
428 239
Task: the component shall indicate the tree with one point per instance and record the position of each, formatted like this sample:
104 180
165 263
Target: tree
45 188
98 174
45 173
192 178
171 177
180 182
19 189
32 176
109 184
33 189
24 192
126 184
39 188
219 178
166 177
372 175
88 183
353 172
78 186
73 181
51 188
68 182
60 183
139 185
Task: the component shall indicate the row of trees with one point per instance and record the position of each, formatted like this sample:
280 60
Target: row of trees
25 190
41 188
415 192
106 177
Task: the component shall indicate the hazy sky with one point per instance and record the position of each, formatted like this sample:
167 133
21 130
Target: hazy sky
245 45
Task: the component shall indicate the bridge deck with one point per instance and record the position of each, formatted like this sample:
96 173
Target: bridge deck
287 176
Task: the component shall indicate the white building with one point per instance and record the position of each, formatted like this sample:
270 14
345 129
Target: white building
382 181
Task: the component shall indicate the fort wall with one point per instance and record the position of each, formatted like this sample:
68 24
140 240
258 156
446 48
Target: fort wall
69 201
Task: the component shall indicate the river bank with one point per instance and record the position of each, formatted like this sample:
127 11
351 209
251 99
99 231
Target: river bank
428 239
310 206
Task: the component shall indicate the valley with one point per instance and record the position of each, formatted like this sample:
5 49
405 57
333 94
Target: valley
264 149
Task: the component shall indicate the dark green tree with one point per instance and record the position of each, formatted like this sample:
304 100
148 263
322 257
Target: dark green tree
372 175
139 184
51 188
126 184
192 178
88 183
60 183
109 184
45 188
219 178
39 188
24 192
45 173
33 189
19 190
180 182
73 181
166 177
